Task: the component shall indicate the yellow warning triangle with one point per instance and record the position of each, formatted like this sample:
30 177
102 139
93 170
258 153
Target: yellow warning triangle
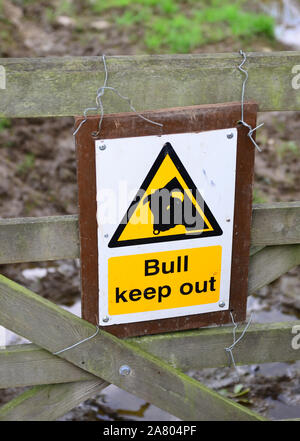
167 207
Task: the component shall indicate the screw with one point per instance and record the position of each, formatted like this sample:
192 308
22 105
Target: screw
221 304
106 236
102 147
105 319
125 370
230 135
228 219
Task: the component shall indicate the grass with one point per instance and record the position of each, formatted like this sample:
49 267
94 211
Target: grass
288 147
54 10
5 123
181 26
258 197
26 165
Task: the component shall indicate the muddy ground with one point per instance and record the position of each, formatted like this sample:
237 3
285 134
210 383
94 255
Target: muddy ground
38 178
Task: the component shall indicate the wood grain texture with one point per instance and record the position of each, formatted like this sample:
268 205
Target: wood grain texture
47 403
270 263
278 225
29 365
56 237
63 86
204 348
255 249
151 379
38 239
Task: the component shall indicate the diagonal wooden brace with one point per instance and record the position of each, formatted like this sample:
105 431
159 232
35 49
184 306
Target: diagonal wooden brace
53 328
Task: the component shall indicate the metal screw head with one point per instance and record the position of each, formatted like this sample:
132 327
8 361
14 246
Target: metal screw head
221 304
106 236
102 147
105 319
125 370
230 135
228 219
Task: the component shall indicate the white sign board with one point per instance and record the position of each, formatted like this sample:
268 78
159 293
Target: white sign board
165 207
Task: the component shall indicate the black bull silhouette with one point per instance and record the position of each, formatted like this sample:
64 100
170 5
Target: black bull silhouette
172 206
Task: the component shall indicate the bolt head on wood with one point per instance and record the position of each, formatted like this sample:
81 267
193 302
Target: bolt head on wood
125 370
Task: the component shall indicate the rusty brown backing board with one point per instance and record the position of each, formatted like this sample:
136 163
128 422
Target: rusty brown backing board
175 120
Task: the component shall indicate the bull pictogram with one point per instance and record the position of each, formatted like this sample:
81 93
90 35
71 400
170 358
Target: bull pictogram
169 206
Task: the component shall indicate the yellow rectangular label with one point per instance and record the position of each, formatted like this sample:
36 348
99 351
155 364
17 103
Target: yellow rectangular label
164 280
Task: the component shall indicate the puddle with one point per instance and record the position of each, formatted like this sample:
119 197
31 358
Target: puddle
114 404
281 411
261 312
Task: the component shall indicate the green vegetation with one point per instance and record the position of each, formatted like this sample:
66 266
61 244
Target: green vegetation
258 197
168 25
288 147
5 123
54 10
181 26
240 394
26 165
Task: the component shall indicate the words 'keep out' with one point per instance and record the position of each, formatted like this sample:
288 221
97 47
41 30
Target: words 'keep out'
164 280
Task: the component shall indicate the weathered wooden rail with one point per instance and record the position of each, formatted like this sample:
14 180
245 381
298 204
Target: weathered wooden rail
56 237
65 86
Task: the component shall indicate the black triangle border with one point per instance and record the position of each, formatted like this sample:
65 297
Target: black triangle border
166 150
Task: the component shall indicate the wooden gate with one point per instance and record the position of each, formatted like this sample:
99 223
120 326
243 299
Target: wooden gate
65 86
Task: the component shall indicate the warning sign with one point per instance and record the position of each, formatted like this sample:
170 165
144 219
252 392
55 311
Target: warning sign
165 217
168 207
165 208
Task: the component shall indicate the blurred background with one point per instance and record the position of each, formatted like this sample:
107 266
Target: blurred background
38 172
